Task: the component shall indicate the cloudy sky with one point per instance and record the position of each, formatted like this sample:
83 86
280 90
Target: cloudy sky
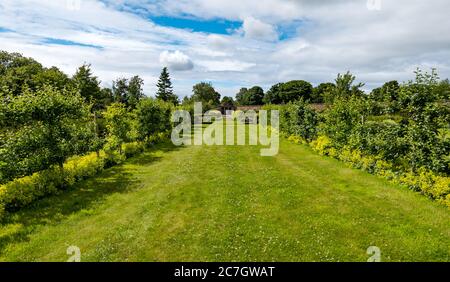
232 43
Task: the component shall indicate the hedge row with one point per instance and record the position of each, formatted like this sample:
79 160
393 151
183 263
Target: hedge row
411 147
424 181
22 192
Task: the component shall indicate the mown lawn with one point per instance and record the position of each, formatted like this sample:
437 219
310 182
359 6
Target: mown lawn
227 203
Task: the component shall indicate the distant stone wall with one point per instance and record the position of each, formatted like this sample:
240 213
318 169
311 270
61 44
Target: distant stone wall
248 108
316 107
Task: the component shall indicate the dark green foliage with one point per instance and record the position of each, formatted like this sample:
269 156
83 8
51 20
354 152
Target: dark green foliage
42 128
343 117
204 92
106 97
153 116
413 141
443 90
88 86
297 118
241 96
18 73
273 95
321 91
380 138
250 97
227 101
165 89
53 77
128 91
135 91
389 92
283 93
118 124
344 88
120 90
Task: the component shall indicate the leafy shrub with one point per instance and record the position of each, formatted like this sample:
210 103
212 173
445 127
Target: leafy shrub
432 185
113 158
404 138
298 119
152 116
342 118
446 200
322 145
384 139
24 191
41 129
425 181
119 125
2 205
132 149
297 139
79 168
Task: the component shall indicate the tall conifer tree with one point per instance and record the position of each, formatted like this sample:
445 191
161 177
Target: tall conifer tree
165 89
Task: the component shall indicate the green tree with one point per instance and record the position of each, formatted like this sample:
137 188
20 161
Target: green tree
88 86
128 91
18 73
443 90
250 97
343 117
165 89
135 91
345 88
295 90
53 77
387 93
283 93
273 95
153 116
299 119
204 92
106 96
227 101
118 124
321 91
241 96
186 100
43 128
120 90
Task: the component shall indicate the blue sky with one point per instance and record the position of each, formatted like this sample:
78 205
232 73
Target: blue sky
232 43
217 26
56 41
4 29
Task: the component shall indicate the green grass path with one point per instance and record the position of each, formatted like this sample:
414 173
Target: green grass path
227 203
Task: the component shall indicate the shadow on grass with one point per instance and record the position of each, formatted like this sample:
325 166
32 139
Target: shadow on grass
80 197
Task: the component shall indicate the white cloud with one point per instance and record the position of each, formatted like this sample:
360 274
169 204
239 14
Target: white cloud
176 61
221 42
256 29
225 66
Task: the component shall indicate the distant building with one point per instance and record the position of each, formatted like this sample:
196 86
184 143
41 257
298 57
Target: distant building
227 106
248 108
